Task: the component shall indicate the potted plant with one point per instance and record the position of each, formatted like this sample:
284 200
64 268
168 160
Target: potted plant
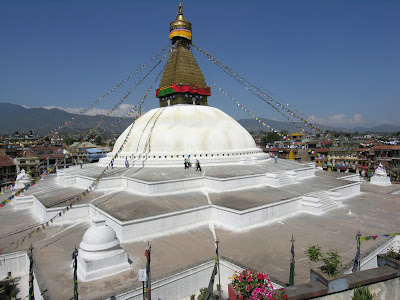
391 259
328 273
249 285
331 259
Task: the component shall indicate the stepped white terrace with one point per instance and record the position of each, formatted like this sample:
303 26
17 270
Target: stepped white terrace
141 202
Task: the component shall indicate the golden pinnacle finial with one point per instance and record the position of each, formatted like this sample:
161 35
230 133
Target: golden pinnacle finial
180 27
179 15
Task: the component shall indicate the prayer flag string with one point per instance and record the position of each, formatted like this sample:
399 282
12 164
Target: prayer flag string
44 225
48 170
68 154
255 117
102 97
138 107
374 237
252 88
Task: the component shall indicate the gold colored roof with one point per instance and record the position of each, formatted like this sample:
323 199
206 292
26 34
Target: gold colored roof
182 68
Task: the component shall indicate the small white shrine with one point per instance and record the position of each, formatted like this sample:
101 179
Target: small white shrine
100 254
22 180
380 177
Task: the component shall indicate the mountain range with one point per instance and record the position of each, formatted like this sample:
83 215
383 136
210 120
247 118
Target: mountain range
42 121
254 126
14 118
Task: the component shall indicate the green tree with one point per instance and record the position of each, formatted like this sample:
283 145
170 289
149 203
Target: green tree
331 262
272 137
99 140
69 141
284 132
313 253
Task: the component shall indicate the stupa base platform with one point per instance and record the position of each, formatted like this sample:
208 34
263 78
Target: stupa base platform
174 199
182 261
378 180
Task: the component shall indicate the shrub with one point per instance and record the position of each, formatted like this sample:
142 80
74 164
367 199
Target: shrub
313 253
331 259
393 254
362 293
331 262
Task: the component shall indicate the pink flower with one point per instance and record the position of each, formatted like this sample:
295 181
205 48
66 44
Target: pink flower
248 287
249 279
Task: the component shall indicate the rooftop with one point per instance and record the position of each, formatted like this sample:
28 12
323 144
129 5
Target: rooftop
263 248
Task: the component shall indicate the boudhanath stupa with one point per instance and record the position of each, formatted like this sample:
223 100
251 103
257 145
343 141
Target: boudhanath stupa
241 197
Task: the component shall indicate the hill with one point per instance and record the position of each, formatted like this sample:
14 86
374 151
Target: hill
18 118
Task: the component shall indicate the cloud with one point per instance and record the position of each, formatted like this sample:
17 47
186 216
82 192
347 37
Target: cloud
119 112
338 120
357 118
338 117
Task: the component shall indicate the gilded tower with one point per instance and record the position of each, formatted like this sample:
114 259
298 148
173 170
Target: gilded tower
182 81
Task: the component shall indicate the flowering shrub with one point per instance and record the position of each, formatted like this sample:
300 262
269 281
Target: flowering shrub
256 286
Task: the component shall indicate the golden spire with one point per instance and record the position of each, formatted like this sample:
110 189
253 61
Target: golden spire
182 81
179 15
180 27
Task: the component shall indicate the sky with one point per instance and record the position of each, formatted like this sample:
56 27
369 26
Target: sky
334 62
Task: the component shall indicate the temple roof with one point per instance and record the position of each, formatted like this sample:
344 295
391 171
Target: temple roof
182 68
182 74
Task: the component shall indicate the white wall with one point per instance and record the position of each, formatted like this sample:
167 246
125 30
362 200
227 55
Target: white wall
18 264
370 261
188 282
348 190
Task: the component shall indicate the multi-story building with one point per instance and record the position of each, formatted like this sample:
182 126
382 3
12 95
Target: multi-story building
8 171
388 155
37 160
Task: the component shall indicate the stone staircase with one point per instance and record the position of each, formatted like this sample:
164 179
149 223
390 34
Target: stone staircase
326 201
284 178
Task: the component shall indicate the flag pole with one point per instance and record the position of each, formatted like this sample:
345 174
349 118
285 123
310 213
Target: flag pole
210 289
219 273
75 265
292 263
31 276
147 253
359 248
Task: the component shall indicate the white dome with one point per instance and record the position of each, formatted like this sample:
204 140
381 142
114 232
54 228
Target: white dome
170 133
99 237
